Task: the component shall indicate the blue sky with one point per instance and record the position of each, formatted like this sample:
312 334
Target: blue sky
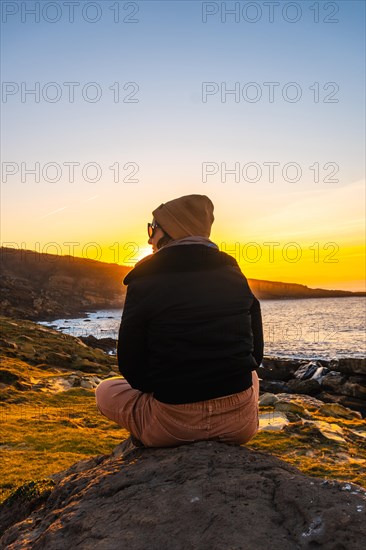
170 131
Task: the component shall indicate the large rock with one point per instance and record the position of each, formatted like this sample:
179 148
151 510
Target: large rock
355 386
336 410
346 401
273 386
328 430
8 377
349 365
291 407
106 344
198 496
333 381
267 399
59 359
305 400
309 387
320 373
278 369
307 371
6 344
273 421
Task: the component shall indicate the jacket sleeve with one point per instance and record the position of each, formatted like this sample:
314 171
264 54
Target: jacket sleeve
257 329
132 347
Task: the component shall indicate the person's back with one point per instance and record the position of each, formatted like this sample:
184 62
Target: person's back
190 337
198 310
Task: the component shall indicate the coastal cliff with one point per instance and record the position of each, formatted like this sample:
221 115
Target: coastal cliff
46 286
271 290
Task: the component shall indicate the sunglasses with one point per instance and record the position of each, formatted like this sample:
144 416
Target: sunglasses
151 229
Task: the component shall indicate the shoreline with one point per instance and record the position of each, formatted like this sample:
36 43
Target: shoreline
320 357
83 312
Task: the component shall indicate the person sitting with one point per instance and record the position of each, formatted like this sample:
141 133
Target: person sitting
190 338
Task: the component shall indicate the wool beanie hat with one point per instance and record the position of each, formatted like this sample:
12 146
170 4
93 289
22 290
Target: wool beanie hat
186 216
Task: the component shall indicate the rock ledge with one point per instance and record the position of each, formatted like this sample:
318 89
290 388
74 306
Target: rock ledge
202 495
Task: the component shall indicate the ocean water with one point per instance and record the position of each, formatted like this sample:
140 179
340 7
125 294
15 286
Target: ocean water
315 328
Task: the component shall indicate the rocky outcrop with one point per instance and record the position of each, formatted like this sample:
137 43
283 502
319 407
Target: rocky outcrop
353 365
202 495
55 362
341 381
106 344
46 286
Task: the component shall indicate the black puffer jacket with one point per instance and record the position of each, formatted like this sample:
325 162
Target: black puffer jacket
191 328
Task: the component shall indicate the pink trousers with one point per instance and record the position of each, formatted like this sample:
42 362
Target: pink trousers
231 419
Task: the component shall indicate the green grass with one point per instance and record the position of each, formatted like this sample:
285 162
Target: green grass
41 432
36 441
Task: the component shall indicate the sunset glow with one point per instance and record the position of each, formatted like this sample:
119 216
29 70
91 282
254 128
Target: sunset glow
286 175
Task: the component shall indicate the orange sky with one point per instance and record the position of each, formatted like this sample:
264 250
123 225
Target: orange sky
309 236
